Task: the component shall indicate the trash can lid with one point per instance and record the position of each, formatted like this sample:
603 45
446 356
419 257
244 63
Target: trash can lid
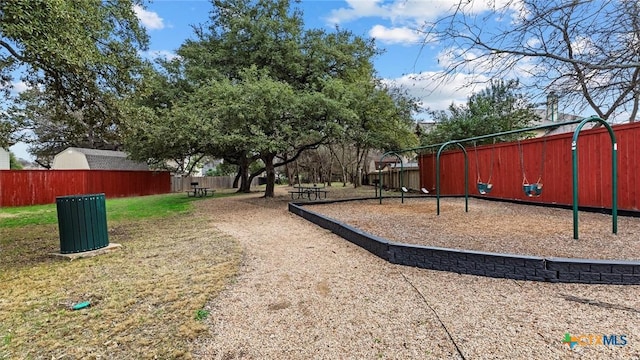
78 196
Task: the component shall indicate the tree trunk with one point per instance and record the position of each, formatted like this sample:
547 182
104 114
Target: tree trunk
344 176
330 175
245 184
288 173
360 165
293 173
271 175
236 180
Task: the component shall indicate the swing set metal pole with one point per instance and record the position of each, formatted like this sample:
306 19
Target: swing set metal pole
466 175
614 174
400 175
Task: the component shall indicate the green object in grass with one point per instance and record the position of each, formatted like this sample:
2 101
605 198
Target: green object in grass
81 305
201 314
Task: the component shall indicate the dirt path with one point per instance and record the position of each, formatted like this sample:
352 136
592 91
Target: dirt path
305 293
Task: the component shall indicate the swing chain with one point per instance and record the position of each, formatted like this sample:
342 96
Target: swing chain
544 154
533 189
475 149
493 150
524 175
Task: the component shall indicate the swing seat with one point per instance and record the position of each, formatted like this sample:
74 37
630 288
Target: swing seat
532 190
484 188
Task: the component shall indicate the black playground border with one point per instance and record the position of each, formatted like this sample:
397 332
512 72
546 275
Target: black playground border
508 266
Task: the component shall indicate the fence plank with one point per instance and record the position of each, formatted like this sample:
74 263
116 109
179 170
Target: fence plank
32 187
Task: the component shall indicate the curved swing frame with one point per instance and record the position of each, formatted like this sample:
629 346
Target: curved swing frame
402 187
466 174
574 151
484 187
532 189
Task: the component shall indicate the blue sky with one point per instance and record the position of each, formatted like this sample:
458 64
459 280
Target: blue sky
393 23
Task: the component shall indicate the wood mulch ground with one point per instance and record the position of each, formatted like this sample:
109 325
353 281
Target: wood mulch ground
305 293
491 226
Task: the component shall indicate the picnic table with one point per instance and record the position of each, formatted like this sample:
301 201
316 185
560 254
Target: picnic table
310 192
199 191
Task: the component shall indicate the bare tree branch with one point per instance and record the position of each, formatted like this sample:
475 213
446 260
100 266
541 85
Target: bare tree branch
11 50
587 52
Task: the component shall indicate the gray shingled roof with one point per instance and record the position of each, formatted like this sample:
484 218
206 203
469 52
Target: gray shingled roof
110 160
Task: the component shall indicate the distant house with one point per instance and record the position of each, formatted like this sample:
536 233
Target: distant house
210 165
4 159
551 115
425 126
92 159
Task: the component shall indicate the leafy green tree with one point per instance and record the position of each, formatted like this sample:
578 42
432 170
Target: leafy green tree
269 36
382 120
257 89
225 169
162 128
14 164
52 128
9 130
267 118
498 108
255 86
82 56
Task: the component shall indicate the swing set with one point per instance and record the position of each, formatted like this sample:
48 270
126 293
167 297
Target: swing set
530 189
484 187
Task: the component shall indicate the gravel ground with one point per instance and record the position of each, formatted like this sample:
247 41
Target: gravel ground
305 293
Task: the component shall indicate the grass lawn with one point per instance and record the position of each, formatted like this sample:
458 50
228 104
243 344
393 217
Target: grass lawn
147 299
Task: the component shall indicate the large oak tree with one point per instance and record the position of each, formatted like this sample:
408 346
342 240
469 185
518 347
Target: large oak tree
79 58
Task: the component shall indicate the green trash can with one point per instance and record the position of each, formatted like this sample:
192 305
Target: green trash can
82 222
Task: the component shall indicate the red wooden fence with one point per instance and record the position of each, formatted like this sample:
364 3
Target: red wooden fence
594 168
30 187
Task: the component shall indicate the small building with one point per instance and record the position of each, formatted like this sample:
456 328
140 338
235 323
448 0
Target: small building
390 170
4 159
91 159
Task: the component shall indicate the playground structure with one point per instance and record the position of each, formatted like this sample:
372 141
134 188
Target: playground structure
530 190
484 187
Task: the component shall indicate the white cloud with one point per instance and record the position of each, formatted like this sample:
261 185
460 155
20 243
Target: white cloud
472 62
149 19
154 54
583 45
411 11
436 91
533 43
398 35
357 9
15 87
19 87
